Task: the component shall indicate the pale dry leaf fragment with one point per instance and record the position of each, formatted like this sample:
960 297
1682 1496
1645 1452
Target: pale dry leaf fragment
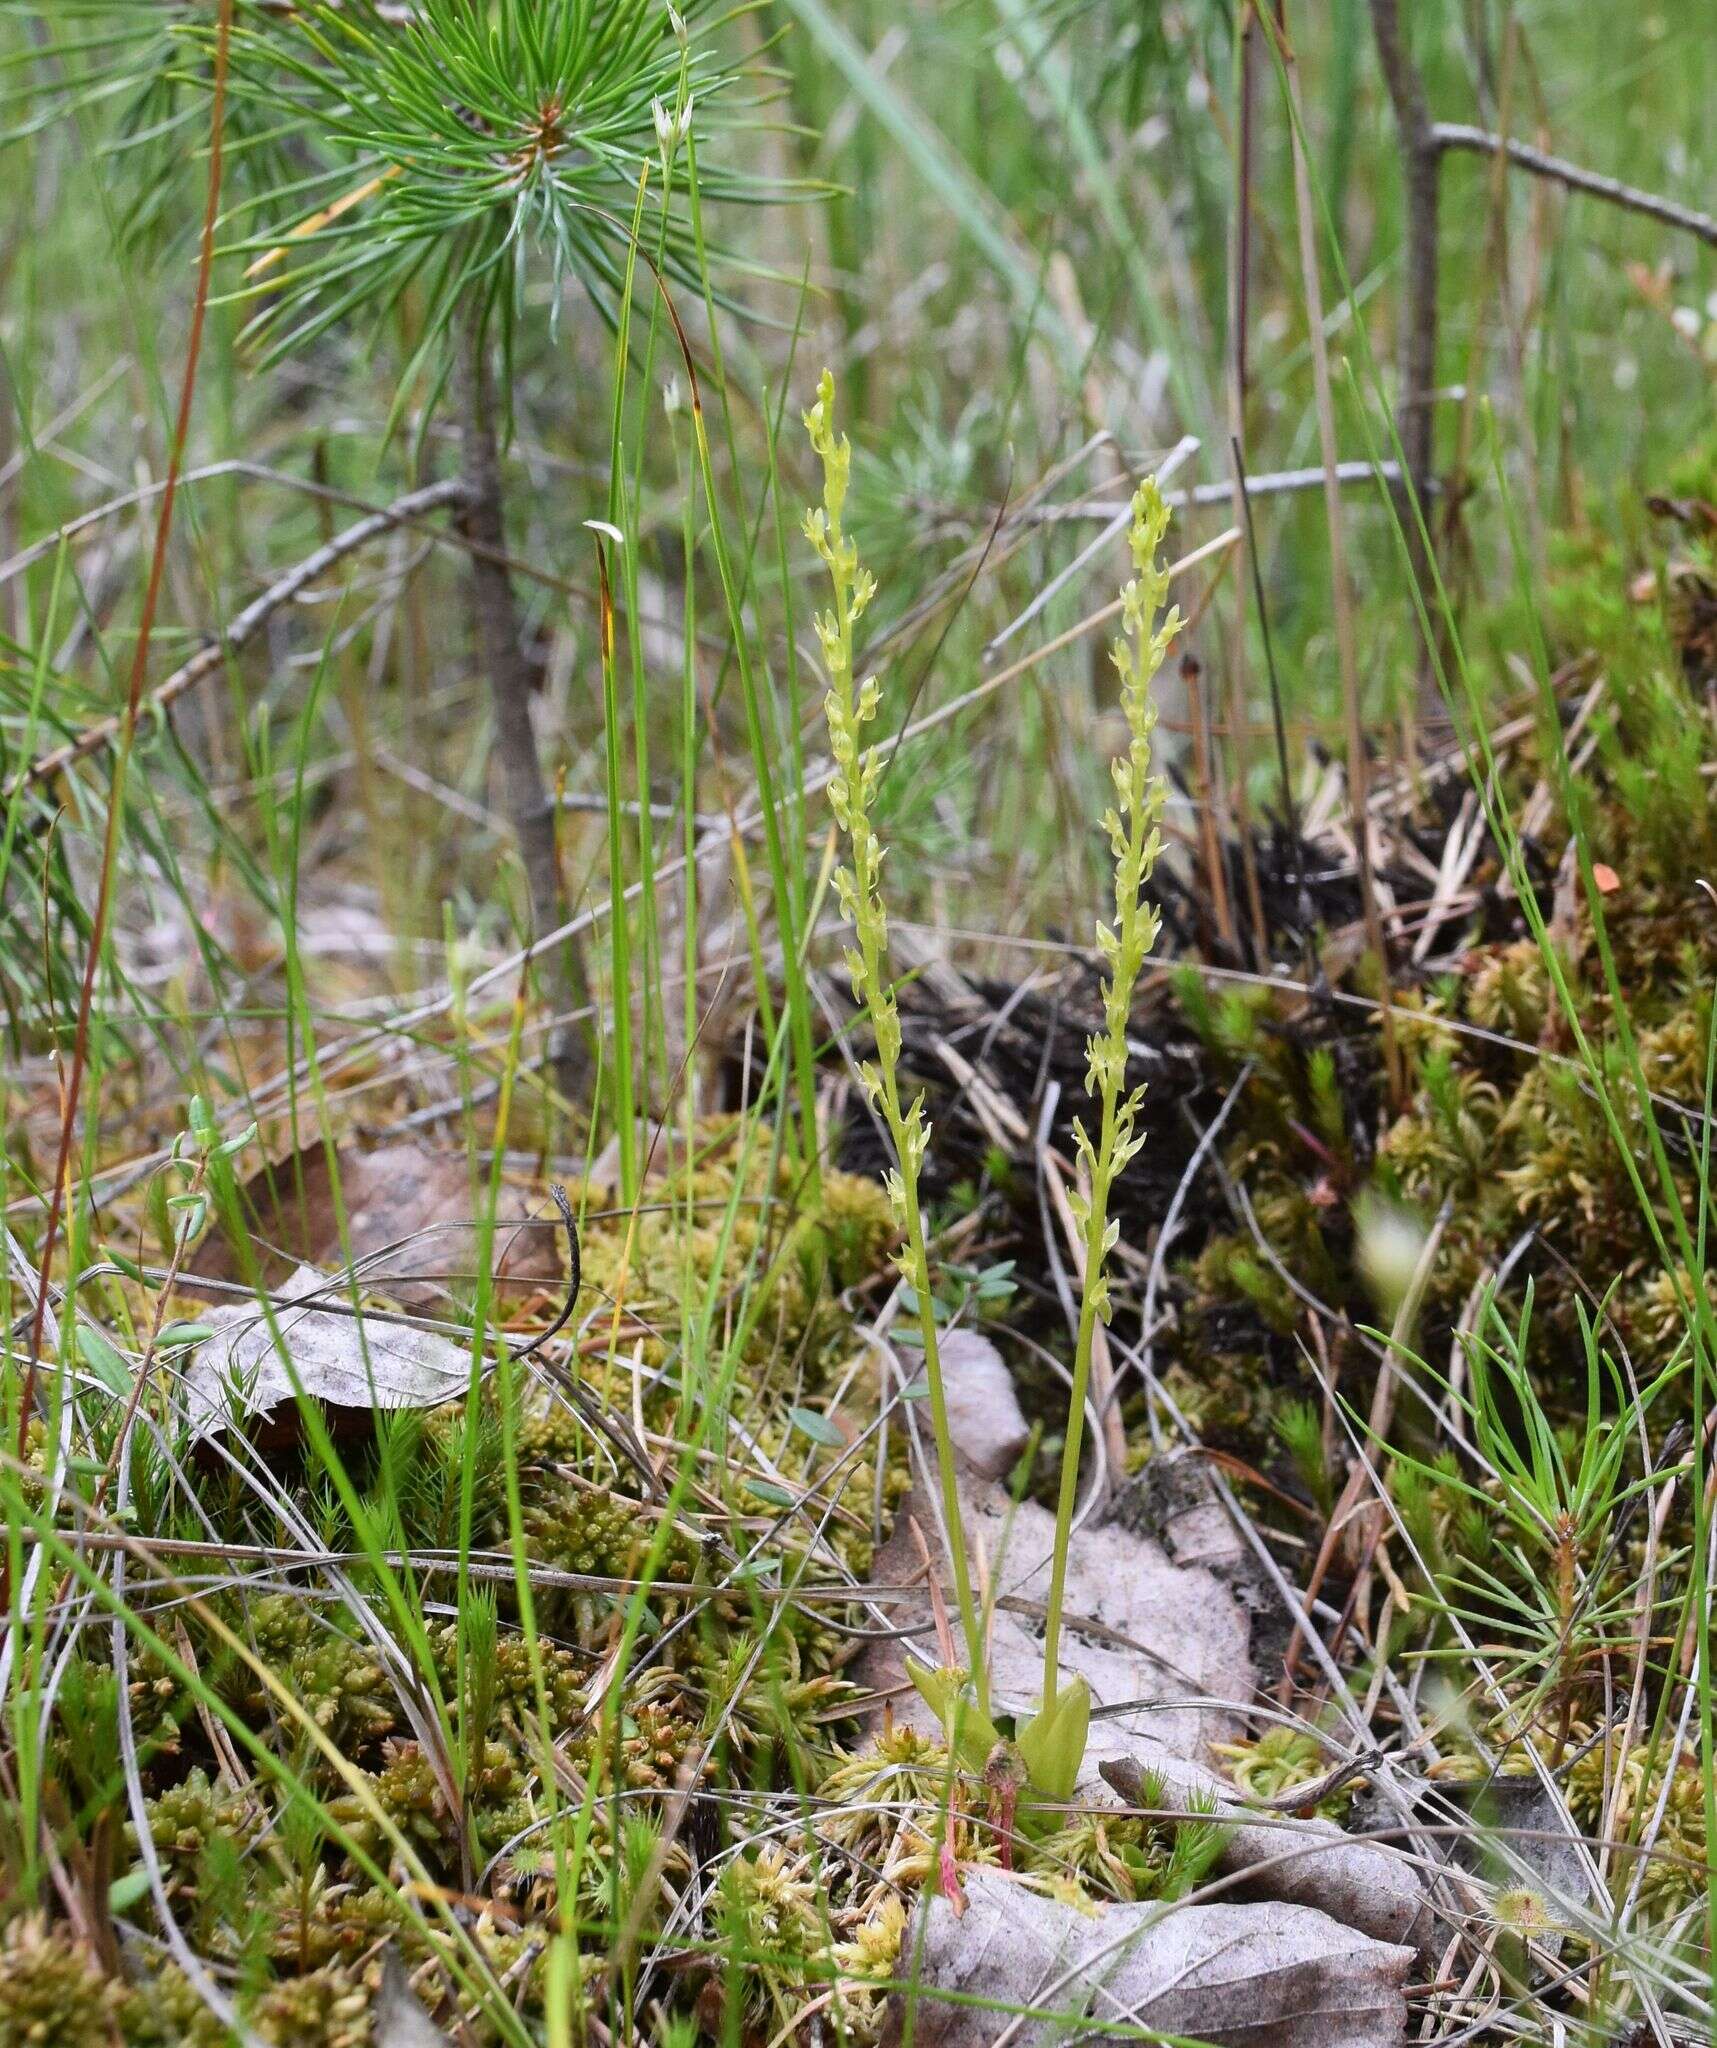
1235 1976
1163 1647
398 2020
345 1359
1304 1862
1169 1656
984 1416
405 1215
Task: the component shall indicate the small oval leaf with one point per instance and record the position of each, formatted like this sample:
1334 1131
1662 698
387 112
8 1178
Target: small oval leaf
817 1427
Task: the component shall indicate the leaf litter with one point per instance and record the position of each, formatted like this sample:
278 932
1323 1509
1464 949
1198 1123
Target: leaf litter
1319 1949
309 1340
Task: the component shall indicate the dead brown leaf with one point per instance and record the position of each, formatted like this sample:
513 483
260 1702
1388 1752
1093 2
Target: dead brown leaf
1272 1976
350 1361
409 1226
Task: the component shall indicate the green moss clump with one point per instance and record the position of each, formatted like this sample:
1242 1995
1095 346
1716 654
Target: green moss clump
1280 1759
185 1819
1509 991
345 1691
513 1677
163 2010
654 1738
605 1535
854 1229
53 1992
742 1235
770 1905
336 1679
326 2008
1677 1870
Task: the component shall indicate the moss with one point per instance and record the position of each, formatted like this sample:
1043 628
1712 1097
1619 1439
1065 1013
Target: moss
163 2010
345 1691
1508 990
326 2008
769 1904
513 1678
654 1739
865 1963
328 1921
304 1910
854 1228
184 1820
160 1705
1098 1856
1225 1398
596 1531
53 1992
409 1793
761 1705
1676 1871
743 1237
1278 1760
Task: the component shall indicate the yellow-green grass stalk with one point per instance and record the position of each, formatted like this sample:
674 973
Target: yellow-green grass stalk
1133 828
850 705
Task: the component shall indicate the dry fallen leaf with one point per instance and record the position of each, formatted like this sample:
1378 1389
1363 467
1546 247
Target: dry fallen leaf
1272 1976
984 1416
410 1228
1304 1862
338 1356
1168 1641
1167 1582
1168 1646
398 2020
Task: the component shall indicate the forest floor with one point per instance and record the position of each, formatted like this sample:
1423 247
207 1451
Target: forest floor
542 1650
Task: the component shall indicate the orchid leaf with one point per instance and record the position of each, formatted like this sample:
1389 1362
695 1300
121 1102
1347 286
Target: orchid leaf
947 1693
1053 1741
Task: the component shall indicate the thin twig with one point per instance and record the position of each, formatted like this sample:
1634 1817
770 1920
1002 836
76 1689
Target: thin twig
1448 135
245 626
1421 156
1239 280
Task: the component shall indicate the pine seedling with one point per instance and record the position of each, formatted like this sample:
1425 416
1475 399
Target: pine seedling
433 171
460 152
850 706
1132 824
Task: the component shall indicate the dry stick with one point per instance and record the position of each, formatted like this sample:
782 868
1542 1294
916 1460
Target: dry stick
499 643
1273 483
1358 767
245 626
1416 374
320 493
1447 135
1239 278
1497 270
128 728
1198 718
1423 145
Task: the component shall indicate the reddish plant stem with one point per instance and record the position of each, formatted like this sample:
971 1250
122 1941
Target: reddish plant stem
1416 378
72 1091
